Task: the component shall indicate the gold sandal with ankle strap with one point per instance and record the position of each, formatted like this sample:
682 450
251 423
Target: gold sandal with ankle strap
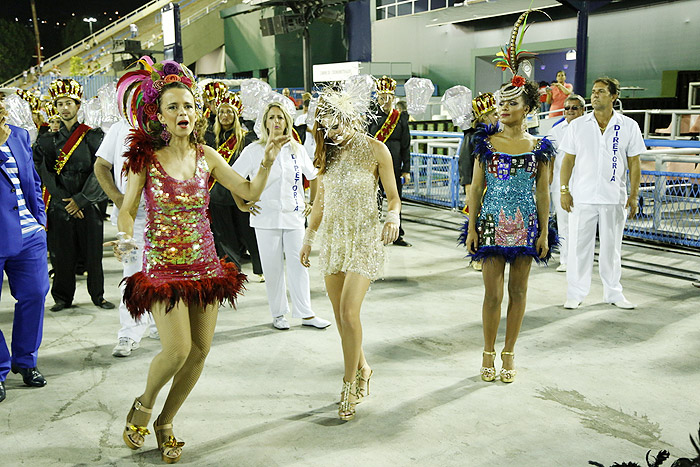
362 384
508 376
488 373
170 448
346 409
134 435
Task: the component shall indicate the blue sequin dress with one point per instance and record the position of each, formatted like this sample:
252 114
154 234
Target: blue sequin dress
508 225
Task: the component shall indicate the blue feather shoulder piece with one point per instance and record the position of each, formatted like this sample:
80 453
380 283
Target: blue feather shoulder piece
544 150
483 150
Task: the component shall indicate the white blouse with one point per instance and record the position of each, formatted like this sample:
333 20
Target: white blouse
282 201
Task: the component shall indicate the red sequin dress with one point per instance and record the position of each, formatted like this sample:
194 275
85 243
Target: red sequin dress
179 260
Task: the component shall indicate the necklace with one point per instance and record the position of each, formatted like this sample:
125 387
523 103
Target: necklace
602 127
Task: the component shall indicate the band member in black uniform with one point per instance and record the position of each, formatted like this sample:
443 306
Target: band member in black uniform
391 128
74 216
229 224
213 92
484 113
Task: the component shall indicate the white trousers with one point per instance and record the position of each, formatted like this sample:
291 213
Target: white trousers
562 226
274 246
610 220
130 327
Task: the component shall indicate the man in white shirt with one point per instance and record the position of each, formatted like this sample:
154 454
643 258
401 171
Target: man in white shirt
600 148
574 107
279 224
110 155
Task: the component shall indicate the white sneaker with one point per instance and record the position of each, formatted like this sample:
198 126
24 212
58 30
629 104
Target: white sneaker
124 347
571 304
280 322
261 278
316 322
561 268
625 304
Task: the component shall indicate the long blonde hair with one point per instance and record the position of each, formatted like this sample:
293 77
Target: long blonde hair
237 128
265 135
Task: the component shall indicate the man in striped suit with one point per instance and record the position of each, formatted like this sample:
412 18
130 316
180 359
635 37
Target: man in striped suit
22 253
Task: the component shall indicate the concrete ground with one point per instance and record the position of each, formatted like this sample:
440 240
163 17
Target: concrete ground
597 383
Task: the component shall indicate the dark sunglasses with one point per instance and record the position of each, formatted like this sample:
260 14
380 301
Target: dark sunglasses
572 107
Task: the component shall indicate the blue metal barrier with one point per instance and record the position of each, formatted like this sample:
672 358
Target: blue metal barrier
672 143
669 206
669 209
434 180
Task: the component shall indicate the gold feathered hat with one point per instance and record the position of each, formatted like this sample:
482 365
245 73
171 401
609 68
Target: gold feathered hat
386 85
65 87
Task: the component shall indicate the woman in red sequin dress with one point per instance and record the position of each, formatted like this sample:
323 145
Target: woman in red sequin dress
182 282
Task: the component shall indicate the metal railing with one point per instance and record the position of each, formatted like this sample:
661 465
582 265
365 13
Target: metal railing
103 34
111 32
669 209
425 142
434 180
675 120
669 201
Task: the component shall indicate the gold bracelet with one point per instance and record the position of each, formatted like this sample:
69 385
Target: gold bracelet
263 166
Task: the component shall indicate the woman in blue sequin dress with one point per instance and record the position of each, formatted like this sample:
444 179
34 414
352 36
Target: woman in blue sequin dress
511 217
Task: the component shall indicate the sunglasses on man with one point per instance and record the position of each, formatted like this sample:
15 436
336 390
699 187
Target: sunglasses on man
572 107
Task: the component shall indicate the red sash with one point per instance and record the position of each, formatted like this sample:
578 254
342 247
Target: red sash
226 150
388 126
73 142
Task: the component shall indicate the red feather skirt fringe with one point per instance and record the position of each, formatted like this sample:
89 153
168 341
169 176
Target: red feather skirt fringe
141 292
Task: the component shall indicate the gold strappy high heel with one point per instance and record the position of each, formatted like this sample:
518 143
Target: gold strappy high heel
170 448
134 435
507 376
346 409
362 384
488 373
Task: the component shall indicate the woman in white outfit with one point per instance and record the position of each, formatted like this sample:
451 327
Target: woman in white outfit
279 217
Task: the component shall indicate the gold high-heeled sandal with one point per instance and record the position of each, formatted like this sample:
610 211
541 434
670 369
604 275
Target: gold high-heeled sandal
507 376
362 384
346 409
488 373
170 448
134 435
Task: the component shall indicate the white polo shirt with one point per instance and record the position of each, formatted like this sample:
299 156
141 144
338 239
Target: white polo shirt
282 201
112 150
556 135
600 171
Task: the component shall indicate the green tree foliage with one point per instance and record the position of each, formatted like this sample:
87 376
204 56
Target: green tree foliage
77 67
17 46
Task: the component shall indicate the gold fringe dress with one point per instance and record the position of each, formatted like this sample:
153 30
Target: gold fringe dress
350 229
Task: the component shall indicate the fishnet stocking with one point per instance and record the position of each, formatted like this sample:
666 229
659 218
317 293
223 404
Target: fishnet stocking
185 335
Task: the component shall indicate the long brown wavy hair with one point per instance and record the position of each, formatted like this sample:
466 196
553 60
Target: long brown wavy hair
321 155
